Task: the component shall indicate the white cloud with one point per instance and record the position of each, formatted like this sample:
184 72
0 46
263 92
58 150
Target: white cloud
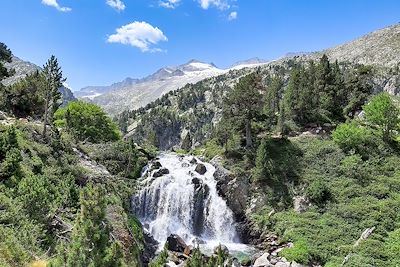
169 3
138 34
117 4
233 15
53 3
220 4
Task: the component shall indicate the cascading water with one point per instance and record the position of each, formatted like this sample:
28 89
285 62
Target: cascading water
185 203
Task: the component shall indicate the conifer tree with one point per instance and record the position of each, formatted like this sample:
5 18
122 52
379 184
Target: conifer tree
91 244
53 81
244 102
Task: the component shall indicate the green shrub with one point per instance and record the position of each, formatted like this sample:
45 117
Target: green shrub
350 136
318 192
298 253
87 121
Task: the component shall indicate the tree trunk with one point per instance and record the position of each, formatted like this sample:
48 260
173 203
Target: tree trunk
249 141
46 114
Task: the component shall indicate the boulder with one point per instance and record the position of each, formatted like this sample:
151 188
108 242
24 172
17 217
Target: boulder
161 172
193 161
262 261
176 243
156 165
196 181
201 168
300 204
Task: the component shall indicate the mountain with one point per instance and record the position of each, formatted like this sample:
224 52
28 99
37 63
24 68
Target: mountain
132 94
91 92
23 68
252 62
197 107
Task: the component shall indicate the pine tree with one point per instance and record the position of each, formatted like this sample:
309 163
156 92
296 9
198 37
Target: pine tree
244 102
91 244
359 87
272 98
53 81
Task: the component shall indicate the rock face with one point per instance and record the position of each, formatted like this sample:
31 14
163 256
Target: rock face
150 248
201 168
176 243
235 190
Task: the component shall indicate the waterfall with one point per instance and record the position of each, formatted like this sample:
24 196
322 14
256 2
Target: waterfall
183 202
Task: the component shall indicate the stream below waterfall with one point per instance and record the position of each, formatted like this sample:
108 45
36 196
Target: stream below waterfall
184 202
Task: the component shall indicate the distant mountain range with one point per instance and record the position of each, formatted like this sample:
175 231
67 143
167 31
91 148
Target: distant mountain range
135 93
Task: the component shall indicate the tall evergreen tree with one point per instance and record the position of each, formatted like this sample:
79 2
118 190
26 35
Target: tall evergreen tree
53 81
271 99
244 102
359 87
91 244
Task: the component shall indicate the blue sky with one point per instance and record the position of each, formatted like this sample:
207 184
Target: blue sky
99 42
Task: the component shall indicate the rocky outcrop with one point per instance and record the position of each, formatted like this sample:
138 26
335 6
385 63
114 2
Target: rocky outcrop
301 204
235 190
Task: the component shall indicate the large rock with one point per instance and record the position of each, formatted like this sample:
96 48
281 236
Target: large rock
201 168
155 166
176 243
262 261
300 204
161 172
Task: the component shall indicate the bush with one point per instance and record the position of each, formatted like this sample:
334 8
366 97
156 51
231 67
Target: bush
350 136
318 192
87 121
298 253
382 112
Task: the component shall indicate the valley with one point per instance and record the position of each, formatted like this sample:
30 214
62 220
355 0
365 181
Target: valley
291 162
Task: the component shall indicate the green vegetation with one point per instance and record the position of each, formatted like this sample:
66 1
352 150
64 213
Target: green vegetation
58 207
383 113
87 122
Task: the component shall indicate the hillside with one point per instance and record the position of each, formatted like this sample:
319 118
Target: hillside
196 108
